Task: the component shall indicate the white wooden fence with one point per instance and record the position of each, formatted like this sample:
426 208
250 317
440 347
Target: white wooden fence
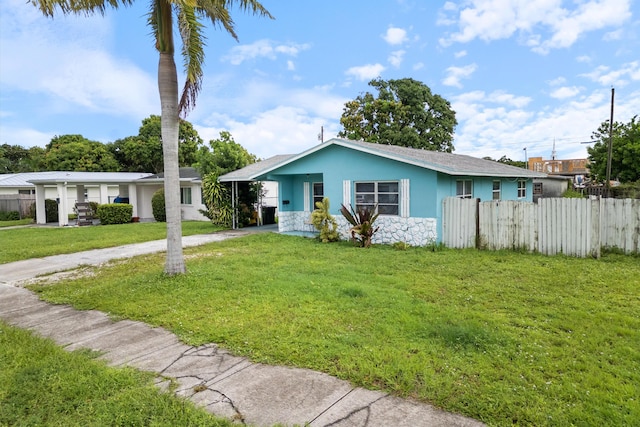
576 227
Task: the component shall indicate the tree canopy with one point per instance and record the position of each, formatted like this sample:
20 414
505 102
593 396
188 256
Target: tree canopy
625 151
16 159
222 156
405 112
143 153
77 153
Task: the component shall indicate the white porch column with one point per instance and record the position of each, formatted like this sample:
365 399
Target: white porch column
41 214
63 205
104 194
133 199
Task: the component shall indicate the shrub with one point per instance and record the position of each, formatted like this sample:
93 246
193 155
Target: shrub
218 201
362 229
570 193
51 210
94 209
158 206
9 216
115 213
324 222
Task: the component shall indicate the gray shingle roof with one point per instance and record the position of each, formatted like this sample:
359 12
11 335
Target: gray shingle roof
186 174
448 163
248 173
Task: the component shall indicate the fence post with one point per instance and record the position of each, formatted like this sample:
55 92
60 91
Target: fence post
478 242
596 226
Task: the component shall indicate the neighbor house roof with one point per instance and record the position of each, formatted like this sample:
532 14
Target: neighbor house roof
186 174
28 179
448 163
249 172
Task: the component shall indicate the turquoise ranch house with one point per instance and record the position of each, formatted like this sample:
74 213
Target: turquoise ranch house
408 185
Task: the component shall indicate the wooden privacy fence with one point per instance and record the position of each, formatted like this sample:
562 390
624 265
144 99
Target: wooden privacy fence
17 202
576 227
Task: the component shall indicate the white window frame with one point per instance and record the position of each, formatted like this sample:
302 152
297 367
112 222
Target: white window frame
467 188
185 193
497 192
376 197
522 189
317 196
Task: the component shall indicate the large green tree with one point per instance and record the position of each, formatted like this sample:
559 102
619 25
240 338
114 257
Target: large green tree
405 112
143 153
223 155
625 151
162 17
16 159
77 153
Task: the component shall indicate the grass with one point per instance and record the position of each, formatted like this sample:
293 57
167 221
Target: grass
16 222
37 242
41 384
503 337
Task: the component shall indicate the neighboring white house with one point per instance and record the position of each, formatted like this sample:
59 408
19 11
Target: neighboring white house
136 188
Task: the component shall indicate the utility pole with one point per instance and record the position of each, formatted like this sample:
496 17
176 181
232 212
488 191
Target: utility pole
609 150
321 134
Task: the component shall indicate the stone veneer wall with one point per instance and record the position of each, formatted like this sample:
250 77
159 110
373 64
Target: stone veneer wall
414 231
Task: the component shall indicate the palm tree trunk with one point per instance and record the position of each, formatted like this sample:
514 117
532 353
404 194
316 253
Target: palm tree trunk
168 87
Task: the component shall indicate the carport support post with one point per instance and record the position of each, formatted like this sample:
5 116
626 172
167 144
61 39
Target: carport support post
63 209
41 214
133 199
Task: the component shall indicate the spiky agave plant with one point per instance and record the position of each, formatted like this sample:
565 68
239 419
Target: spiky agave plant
362 228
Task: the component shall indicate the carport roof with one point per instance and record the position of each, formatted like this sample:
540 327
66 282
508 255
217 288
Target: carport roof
76 177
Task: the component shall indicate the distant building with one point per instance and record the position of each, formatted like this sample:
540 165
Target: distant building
560 173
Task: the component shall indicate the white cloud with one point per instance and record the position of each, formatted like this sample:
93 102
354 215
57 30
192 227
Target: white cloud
395 36
366 72
78 68
565 92
557 81
460 54
418 66
543 24
583 59
396 57
455 74
498 123
263 49
620 77
24 137
290 65
267 118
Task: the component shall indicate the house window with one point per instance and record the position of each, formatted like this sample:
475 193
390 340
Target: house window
464 188
383 194
26 191
537 189
318 193
496 190
522 189
185 195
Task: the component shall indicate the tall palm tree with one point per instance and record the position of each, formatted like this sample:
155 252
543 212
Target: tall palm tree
188 15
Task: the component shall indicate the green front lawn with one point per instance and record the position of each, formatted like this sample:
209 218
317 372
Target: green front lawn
503 337
43 385
37 242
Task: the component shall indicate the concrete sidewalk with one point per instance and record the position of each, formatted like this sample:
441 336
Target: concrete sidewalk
224 384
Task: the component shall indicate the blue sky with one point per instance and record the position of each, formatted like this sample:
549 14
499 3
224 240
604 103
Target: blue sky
518 73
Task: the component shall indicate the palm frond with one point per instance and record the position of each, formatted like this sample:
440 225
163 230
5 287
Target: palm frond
78 7
193 42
